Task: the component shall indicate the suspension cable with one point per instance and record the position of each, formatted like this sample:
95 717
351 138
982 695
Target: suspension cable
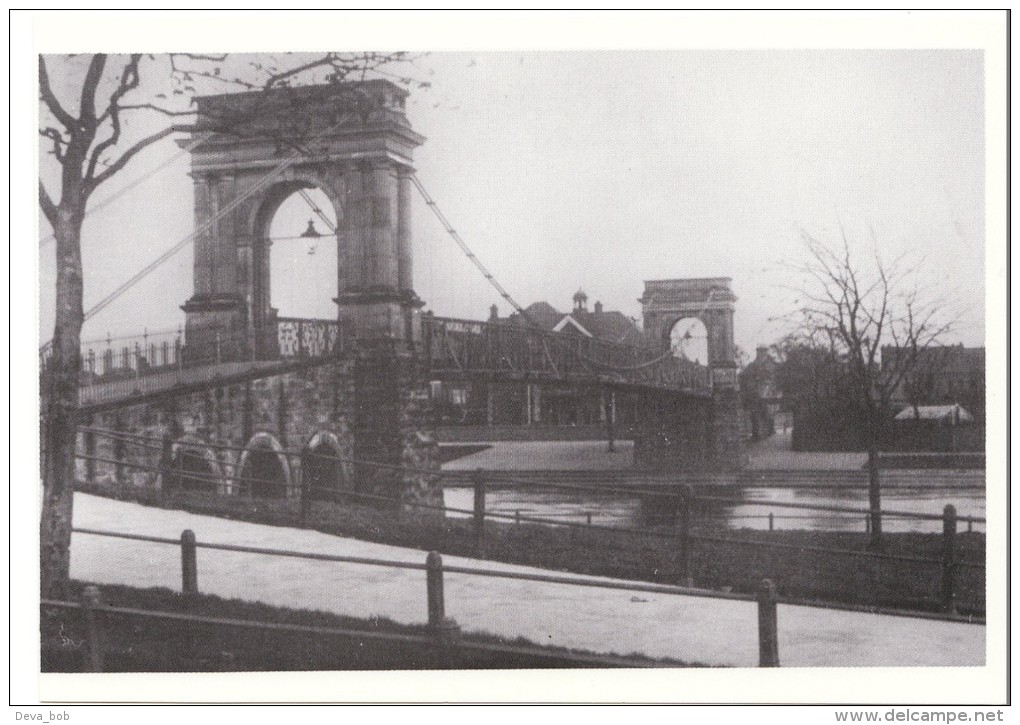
201 138
257 186
430 202
503 292
668 353
315 208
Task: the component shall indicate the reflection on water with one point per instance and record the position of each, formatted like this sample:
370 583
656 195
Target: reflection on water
745 508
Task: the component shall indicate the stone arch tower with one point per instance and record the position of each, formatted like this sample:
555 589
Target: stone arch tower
353 142
667 301
711 300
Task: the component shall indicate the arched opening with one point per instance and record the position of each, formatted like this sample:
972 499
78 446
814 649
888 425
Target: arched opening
263 471
688 339
296 260
303 267
194 469
322 472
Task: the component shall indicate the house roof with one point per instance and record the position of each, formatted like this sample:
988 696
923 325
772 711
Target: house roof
956 413
612 325
605 325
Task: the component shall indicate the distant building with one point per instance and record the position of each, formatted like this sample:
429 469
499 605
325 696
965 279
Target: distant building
946 375
940 403
519 403
597 323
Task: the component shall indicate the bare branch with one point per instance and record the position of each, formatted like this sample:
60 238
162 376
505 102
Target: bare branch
154 107
113 168
87 105
59 142
129 80
46 93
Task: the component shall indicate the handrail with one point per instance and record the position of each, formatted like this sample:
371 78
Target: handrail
518 518
624 585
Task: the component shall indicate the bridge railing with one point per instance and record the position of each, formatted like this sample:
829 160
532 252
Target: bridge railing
113 359
449 346
468 346
308 338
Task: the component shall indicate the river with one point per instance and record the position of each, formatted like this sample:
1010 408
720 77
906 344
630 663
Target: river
744 507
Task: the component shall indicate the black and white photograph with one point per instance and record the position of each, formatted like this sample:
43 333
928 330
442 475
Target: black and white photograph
462 353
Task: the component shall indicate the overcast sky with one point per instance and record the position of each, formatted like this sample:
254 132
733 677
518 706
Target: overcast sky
599 170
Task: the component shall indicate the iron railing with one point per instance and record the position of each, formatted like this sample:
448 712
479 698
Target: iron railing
449 347
288 337
457 347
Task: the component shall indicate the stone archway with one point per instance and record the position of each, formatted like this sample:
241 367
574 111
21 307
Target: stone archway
709 300
299 138
259 292
263 470
688 339
323 474
195 467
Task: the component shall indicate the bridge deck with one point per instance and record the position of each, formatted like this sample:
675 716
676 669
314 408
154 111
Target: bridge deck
125 369
117 391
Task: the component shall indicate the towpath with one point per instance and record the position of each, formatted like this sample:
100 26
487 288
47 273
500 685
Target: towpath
709 631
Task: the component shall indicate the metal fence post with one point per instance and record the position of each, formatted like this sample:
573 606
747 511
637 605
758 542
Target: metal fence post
684 522
768 626
93 629
434 588
478 480
445 630
189 563
772 522
949 559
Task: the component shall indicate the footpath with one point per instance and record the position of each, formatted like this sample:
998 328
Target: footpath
773 453
691 629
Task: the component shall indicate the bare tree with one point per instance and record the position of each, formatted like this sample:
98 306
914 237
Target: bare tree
97 113
851 308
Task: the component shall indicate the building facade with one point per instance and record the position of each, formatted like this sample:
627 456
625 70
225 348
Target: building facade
520 403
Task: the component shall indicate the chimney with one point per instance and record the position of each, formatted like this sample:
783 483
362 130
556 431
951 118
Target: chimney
493 313
598 308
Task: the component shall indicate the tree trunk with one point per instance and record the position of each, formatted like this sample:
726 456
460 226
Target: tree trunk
60 411
874 498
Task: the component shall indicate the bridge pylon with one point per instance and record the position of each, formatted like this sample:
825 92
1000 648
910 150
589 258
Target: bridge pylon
689 435
353 142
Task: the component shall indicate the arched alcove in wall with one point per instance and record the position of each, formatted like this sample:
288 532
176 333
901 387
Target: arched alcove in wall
195 468
322 471
263 471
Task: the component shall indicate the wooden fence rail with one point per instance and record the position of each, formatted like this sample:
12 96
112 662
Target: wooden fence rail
446 631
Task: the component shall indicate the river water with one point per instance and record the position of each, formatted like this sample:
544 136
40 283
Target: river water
741 507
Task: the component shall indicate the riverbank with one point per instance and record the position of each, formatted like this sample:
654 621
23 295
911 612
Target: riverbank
657 624
772 455
149 644
813 565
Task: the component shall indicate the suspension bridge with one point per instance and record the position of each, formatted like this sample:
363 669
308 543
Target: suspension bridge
237 371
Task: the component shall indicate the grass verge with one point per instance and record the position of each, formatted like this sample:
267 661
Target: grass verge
789 558
142 644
